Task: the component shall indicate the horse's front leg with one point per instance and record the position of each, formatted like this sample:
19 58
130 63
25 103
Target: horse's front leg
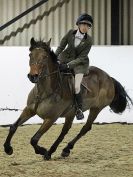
34 140
26 114
65 129
87 127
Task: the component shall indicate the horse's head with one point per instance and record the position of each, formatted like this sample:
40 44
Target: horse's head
39 53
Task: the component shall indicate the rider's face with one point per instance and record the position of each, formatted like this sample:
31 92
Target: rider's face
84 28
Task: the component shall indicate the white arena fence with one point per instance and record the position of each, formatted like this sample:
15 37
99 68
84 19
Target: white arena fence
117 61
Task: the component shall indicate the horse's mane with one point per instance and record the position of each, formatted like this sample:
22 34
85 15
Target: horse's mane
53 56
42 44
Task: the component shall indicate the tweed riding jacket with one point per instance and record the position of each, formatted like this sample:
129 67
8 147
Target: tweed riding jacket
75 57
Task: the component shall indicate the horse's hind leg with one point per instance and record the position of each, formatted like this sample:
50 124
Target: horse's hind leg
65 129
87 127
26 114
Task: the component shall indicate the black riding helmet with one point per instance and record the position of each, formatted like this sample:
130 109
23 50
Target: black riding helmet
85 18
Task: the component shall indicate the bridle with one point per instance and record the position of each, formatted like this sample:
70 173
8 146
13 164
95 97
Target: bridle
43 74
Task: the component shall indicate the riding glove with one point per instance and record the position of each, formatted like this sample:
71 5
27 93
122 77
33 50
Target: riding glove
63 67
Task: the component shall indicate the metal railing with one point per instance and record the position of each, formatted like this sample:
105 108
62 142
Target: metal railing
22 14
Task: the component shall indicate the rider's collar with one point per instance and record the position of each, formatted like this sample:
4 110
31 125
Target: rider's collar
85 35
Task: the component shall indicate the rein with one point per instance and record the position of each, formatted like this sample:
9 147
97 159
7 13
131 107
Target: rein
54 72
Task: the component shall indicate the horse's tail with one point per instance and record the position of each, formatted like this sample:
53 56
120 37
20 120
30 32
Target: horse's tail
121 98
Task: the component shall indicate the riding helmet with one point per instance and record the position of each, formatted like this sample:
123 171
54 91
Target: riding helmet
84 18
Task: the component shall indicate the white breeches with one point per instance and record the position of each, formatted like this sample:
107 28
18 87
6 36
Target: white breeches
78 80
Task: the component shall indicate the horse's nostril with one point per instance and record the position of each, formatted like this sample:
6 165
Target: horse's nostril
36 75
28 75
33 78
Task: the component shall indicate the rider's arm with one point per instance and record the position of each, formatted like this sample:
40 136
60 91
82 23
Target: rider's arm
62 45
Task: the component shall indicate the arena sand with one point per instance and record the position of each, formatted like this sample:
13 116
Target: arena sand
106 151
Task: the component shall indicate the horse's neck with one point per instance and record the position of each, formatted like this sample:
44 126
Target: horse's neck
48 84
53 78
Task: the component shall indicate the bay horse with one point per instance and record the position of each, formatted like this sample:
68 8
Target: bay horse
52 97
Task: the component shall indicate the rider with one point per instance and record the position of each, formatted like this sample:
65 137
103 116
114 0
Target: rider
75 55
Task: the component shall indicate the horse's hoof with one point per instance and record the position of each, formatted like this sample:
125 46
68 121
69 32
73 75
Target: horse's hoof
47 156
65 154
40 150
8 150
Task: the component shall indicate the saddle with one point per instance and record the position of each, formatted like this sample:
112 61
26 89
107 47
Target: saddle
70 78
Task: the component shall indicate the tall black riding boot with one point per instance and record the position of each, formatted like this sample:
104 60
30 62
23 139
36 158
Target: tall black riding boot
78 100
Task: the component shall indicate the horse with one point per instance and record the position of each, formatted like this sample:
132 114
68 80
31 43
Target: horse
52 97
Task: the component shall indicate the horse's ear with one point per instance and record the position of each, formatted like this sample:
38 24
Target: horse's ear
32 42
48 43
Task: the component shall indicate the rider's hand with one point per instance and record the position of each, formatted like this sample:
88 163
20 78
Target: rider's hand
63 67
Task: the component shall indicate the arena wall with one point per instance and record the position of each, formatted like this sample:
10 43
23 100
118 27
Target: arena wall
117 61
